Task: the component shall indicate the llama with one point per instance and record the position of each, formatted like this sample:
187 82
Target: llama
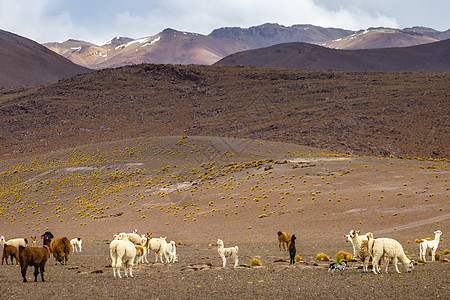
60 247
157 245
284 238
390 249
227 252
141 251
33 241
132 237
10 251
424 245
139 254
292 250
14 242
37 257
360 247
145 242
76 244
172 252
122 253
356 243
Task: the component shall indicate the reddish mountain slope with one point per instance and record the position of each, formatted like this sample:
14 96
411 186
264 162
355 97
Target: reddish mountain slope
431 57
23 62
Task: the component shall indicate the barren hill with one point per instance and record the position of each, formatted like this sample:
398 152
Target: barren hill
24 62
368 113
431 57
374 38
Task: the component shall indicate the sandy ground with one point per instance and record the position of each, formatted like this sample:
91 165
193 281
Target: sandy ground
252 190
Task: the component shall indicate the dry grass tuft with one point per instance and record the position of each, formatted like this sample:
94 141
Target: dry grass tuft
255 262
322 257
342 255
298 258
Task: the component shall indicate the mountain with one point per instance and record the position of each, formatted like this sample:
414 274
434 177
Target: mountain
177 47
169 46
24 62
431 57
271 34
374 38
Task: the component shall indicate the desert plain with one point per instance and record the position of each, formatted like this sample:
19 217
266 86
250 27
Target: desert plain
197 189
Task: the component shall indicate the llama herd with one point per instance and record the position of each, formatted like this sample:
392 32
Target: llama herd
128 249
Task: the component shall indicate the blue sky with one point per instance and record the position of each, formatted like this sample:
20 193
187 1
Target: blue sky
98 21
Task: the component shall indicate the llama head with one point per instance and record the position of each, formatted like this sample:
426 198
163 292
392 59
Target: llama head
353 233
47 235
219 242
438 232
293 238
279 233
410 266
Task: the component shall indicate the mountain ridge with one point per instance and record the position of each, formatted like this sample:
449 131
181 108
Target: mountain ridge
180 47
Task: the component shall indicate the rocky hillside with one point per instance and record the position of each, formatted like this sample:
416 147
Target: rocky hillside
366 113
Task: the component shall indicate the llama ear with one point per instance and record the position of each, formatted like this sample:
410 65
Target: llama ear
357 231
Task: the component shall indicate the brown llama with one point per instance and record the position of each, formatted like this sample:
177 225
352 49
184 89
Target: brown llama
60 247
37 257
284 238
10 251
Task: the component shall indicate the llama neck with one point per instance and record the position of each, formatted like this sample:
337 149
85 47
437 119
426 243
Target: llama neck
437 237
147 242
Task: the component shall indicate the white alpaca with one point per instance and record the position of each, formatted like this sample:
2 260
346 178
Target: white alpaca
132 237
425 245
14 242
76 244
170 252
157 245
356 242
122 252
360 247
227 252
389 249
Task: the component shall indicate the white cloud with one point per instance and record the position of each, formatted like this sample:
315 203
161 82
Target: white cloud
97 21
29 18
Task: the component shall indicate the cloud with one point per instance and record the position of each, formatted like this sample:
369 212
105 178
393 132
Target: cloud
29 18
97 21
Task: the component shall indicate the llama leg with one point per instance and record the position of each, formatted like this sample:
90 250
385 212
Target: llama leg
24 272
224 261
42 272
236 261
375 264
394 261
119 266
433 255
130 268
36 272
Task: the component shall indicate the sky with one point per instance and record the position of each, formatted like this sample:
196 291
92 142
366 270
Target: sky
97 21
